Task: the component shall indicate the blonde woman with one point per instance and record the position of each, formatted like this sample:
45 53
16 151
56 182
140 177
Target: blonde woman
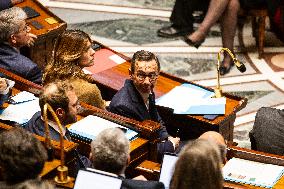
72 52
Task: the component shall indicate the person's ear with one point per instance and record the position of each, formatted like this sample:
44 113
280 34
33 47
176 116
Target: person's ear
13 39
128 159
60 113
130 73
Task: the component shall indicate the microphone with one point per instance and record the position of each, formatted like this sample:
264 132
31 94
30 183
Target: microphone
241 67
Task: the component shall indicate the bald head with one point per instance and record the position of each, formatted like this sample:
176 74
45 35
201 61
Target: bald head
213 137
216 138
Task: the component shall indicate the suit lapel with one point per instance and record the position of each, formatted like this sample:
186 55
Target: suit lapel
137 101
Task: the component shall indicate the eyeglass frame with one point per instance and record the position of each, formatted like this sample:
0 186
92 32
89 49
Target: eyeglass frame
142 76
26 28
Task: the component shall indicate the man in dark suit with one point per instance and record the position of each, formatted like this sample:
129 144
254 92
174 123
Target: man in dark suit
110 153
5 4
136 98
182 18
61 97
14 34
268 130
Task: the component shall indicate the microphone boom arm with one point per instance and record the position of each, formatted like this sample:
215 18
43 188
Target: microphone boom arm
62 169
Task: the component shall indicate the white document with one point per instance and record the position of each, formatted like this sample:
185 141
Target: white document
167 169
253 173
192 99
181 98
23 96
117 59
22 112
91 126
91 180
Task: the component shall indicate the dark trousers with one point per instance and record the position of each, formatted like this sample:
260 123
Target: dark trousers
182 12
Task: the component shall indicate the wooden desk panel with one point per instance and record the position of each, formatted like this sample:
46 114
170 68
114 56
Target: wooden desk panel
40 53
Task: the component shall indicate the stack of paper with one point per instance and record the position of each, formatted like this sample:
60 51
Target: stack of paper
24 106
89 127
253 173
191 99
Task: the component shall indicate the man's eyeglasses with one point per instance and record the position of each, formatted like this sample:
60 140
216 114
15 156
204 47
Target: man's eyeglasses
26 28
151 76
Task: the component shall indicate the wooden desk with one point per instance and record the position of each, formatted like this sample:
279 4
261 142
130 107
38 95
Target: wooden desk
40 53
111 80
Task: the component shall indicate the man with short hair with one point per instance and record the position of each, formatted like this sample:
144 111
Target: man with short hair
62 98
110 153
14 34
136 98
22 158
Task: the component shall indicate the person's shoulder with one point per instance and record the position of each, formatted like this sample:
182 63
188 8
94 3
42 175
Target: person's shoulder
140 184
268 112
5 4
35 122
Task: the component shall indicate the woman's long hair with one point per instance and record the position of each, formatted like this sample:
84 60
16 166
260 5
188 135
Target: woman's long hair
67 51
198 167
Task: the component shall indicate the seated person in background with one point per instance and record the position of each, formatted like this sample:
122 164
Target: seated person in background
136 98
62 98
182 18
5 4
218 139
227 12
267 132
73 52
5 89
198 167
22 158
14 34
110 153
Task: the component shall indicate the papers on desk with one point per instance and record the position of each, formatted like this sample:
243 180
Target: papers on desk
89 127
23 96
251 172
25 106
191 99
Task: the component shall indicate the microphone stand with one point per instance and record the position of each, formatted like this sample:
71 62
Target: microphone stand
218 89
62 176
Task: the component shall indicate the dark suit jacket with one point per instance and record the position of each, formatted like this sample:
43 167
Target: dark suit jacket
138 184
129 103
13 61
36 126
267 134
4 4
